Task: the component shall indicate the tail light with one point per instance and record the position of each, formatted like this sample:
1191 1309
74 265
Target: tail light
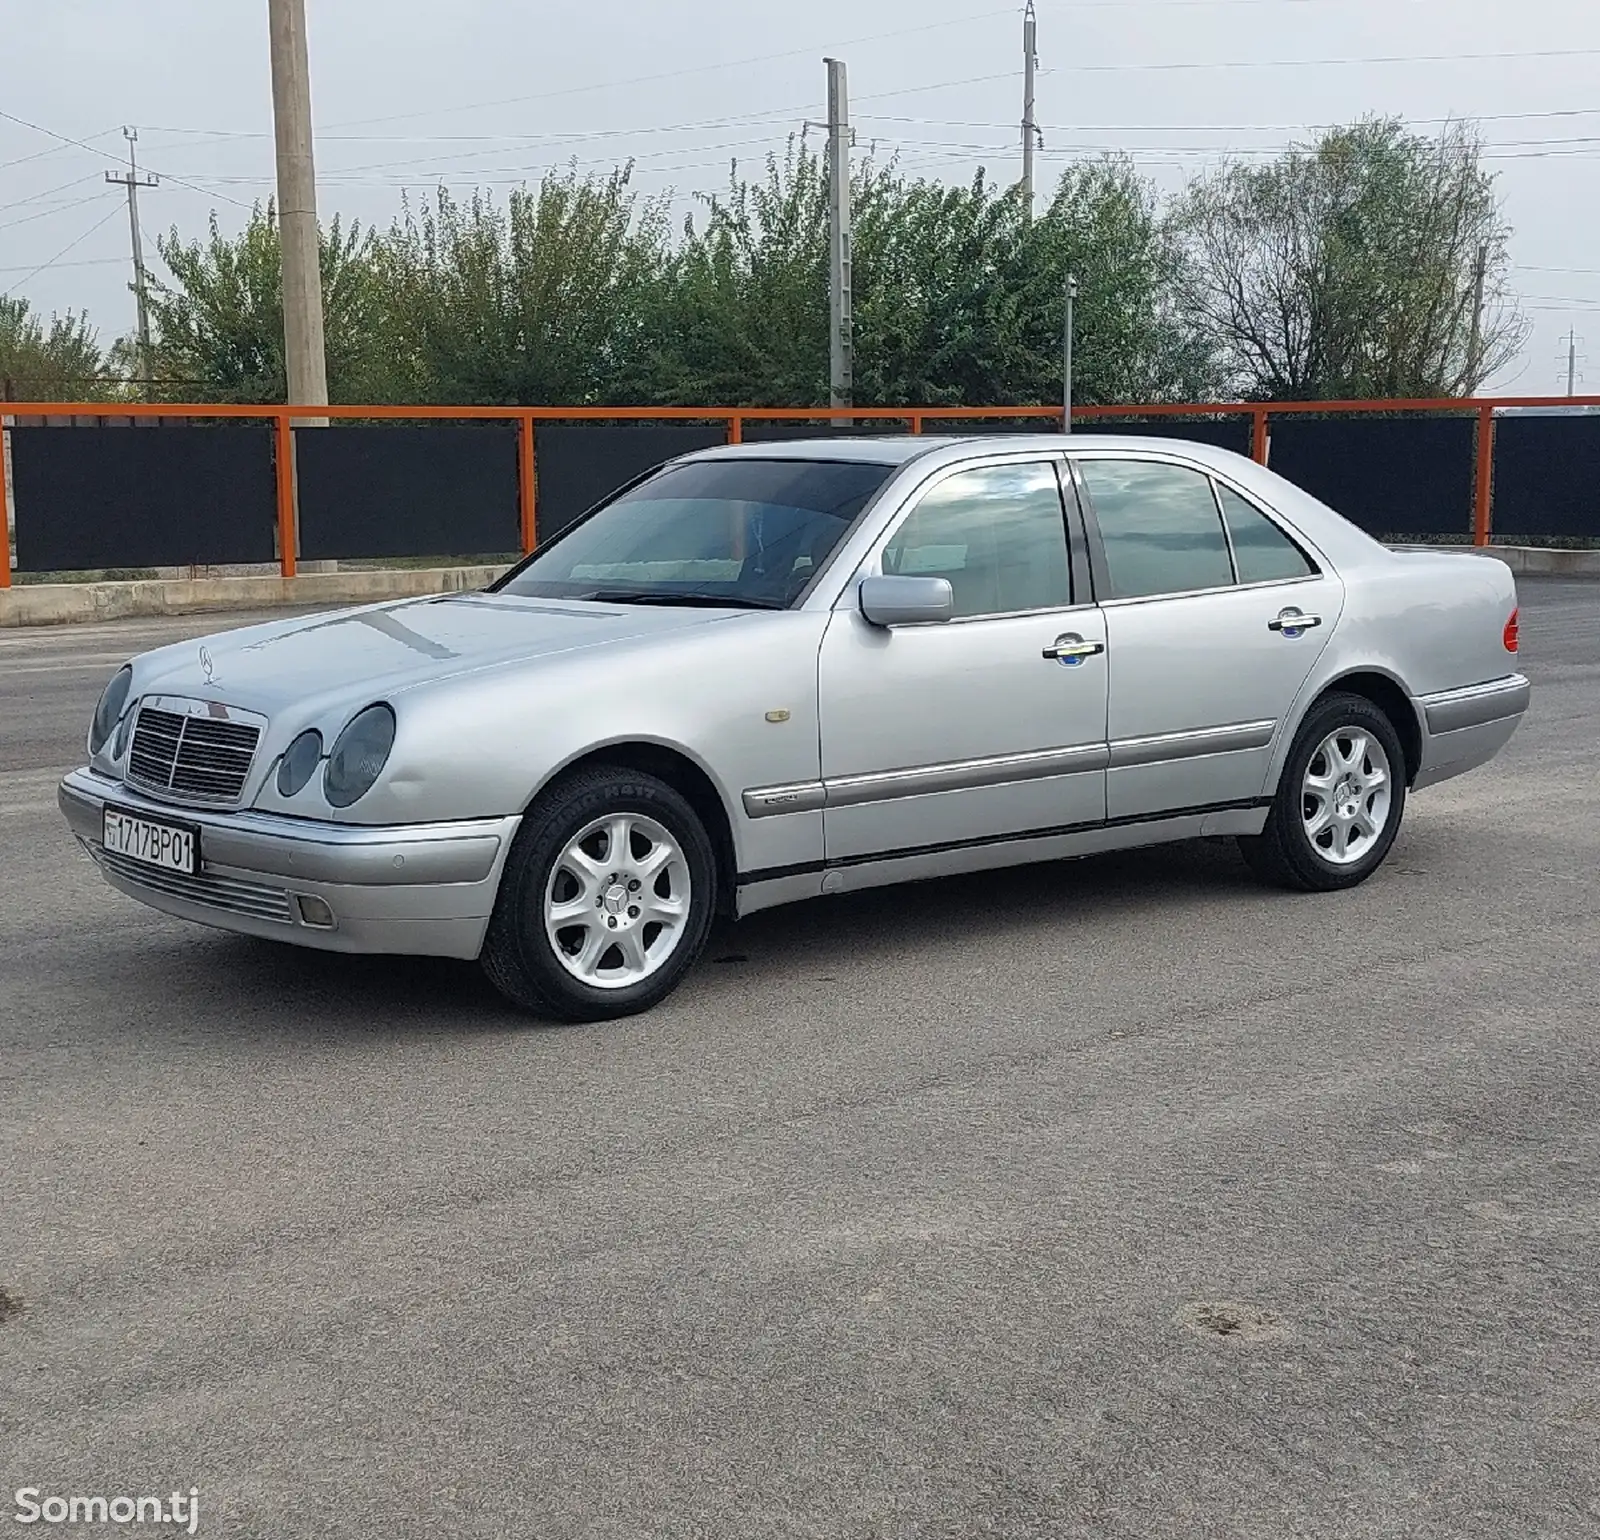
1508 637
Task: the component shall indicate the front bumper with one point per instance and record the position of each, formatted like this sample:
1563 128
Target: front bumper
424 889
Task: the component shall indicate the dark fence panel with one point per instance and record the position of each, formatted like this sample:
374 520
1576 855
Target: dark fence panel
1399 476
1546 477
1234 435
988 427
580 463
764 431
436 490
92 498
1231 434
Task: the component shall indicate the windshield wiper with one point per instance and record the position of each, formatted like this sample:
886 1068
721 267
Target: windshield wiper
694 600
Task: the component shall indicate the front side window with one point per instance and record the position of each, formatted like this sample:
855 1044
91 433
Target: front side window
996 533
748 533
1261 551
1159 525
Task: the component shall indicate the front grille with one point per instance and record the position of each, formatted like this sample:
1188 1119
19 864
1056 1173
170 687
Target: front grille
191 756
229 894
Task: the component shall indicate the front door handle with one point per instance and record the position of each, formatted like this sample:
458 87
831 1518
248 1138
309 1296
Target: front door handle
1071 649
1291 623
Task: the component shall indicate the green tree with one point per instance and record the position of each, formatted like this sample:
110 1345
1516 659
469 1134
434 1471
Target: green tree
1347 268
957 295
547 300
742 318
217 328
58 360
1106 227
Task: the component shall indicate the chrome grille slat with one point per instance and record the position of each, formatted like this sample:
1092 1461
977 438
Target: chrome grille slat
229 894
191 755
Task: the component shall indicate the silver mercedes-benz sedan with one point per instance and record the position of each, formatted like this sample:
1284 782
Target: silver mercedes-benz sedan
768 672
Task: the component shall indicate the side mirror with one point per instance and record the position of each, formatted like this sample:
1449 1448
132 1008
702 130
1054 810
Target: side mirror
893 600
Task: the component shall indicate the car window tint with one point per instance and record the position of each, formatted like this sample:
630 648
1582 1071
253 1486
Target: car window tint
1159 525
1261 551
746 530
996 533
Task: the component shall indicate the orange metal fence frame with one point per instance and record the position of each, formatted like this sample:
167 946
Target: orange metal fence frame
735 417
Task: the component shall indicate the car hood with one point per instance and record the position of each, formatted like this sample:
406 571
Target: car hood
383 649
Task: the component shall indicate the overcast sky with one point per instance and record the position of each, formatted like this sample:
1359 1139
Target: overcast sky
492 92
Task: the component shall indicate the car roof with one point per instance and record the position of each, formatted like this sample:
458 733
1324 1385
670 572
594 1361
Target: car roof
900 449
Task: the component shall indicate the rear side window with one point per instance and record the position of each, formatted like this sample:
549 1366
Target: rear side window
1159 525
1262 552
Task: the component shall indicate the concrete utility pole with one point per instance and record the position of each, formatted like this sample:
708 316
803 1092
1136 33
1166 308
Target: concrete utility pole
1066 357
1572 362
133 181
1475 341
305 359
841 321
1030 129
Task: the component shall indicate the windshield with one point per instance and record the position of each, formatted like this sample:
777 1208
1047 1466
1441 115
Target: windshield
745 533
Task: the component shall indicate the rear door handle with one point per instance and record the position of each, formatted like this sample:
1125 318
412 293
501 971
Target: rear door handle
1071 649
1291 623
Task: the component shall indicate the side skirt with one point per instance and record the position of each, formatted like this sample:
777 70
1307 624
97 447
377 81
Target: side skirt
766 890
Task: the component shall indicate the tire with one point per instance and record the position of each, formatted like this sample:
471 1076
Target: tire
1310 842
635 929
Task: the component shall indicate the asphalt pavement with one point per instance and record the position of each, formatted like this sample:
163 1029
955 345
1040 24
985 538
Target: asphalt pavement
1115 1198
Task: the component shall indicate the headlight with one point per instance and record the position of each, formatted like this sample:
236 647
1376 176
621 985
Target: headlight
359 755
299 763
109 712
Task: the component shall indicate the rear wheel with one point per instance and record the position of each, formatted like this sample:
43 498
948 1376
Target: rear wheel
606 900
1340 800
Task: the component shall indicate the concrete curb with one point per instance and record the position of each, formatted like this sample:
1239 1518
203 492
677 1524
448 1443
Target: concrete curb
1536 560
1531 560
53 604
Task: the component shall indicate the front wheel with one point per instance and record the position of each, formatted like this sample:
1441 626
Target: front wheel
1340 800
606 901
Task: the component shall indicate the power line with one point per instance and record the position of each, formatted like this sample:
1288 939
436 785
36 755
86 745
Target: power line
504 139
694 69
1283 64
82 144
22 160
28 219
1226 128
81 262
77 181
70 246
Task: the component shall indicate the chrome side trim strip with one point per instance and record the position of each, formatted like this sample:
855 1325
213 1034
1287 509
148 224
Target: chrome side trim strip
796 797
923 780
1449 711
964 774
1190 745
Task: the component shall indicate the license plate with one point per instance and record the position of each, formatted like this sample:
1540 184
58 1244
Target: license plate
170 847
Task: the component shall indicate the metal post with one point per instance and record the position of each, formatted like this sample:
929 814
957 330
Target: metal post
1484 479
133 181
528 493
305 360
1258 436
1572 361
5 513
1066 357
841 350
1030 131
283 468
